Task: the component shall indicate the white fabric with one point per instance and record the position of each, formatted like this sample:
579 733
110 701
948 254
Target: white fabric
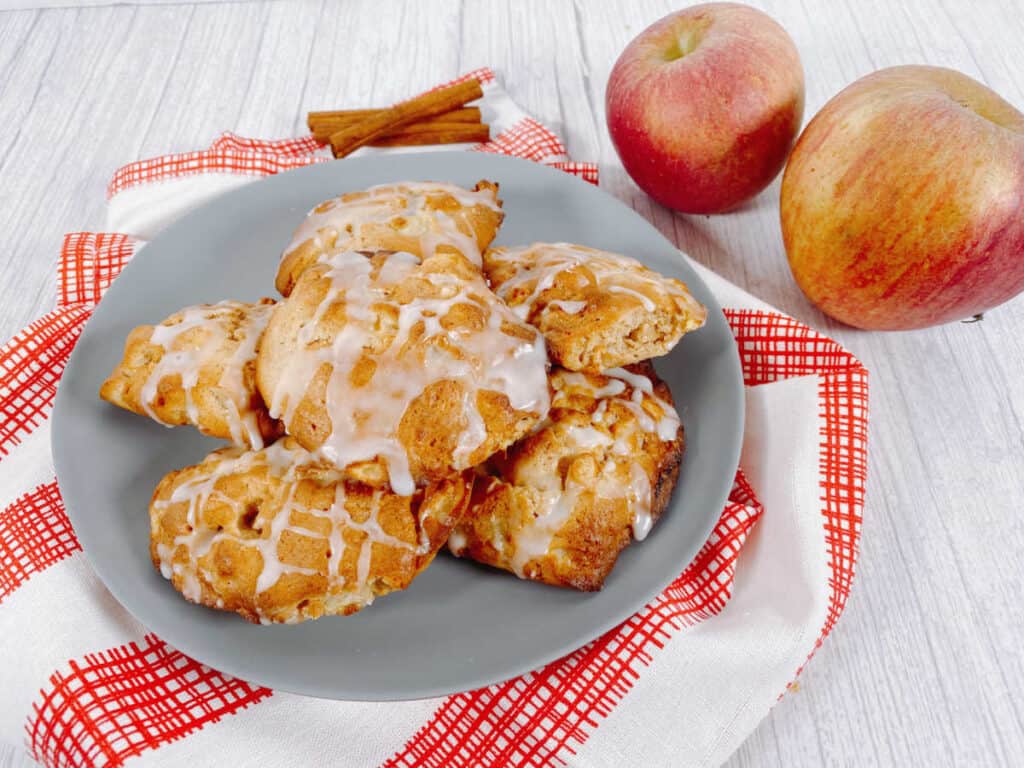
144 210
701 696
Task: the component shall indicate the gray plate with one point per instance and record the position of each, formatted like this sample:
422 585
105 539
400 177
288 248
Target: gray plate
460 626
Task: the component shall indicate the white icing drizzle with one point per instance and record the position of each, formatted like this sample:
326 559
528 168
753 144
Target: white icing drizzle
449 234
242 418
539 265
273 567
187 359
386 203
558 500
668 424
365 419
647 303
569 307
283 461
178 361
588 438
457 541
581 381
640 493
534 540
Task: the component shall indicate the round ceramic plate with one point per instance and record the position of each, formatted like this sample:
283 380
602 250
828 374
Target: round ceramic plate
459 626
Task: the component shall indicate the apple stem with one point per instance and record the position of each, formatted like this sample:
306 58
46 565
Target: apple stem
975 318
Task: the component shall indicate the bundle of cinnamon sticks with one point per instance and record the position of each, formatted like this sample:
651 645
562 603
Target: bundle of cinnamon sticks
438 117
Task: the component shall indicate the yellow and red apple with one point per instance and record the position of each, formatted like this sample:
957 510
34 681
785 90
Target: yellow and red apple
903 202
703 106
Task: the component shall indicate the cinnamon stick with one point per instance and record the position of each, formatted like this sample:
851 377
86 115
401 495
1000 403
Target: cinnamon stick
419 134
437 102
332 121
346 115
323 128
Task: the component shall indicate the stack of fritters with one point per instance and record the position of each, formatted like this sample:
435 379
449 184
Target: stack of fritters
408 374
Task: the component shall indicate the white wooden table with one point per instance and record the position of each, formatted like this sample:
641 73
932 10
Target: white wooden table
926 666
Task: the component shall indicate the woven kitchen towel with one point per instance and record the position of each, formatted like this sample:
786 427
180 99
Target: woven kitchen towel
682 682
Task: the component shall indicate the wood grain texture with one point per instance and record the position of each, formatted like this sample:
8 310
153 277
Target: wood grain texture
925 666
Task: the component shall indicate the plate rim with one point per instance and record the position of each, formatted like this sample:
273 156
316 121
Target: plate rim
183 642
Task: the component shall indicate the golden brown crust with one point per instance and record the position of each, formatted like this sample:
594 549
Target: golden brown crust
198 367
560 505
418 217
597 310
277 537
401 370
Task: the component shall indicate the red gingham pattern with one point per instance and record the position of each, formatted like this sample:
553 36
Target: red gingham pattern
742 492
298 147
89 262
774 347
529 720
35 533
844 413
586 171
204 161
116 704
484 74
527 139
30 367
307 145
844 466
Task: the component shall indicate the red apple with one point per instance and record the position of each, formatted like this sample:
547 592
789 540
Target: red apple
703 106
903 202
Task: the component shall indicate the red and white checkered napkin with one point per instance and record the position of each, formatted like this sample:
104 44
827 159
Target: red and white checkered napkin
680 683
